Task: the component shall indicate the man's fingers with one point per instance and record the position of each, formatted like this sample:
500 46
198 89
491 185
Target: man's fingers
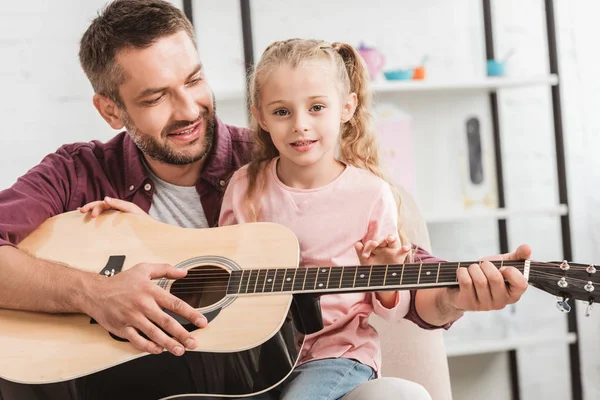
465 284
480 283
523 252
180 307
517 283
496 285
156 335
140 342
172 327
156 271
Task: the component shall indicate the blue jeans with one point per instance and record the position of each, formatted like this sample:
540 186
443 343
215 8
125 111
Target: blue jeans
328 379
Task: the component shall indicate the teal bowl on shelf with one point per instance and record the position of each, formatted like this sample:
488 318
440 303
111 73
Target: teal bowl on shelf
495 68
399 74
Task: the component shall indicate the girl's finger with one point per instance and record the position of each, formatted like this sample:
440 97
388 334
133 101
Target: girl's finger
88 206
123 205
369 247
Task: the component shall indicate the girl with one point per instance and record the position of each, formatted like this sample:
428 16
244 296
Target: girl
310 99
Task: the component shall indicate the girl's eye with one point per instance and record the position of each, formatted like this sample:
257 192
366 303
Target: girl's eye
318 107
280 113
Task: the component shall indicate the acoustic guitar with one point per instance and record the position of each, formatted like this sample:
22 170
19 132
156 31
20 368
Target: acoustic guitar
244 278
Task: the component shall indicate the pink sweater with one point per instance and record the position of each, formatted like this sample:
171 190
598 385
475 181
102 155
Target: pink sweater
328 221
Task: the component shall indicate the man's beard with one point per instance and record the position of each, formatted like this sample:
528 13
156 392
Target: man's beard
162 152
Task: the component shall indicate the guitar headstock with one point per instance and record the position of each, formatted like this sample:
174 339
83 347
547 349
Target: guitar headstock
567 281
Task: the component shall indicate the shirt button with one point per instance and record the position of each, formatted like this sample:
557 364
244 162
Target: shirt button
222 182
131 188
147 187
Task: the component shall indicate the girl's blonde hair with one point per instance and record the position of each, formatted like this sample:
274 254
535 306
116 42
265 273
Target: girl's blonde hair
357 139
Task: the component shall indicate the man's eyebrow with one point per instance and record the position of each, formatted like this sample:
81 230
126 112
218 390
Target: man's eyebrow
151 91
197 69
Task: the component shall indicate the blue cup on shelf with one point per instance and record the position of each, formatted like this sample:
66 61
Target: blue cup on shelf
495 68
399 74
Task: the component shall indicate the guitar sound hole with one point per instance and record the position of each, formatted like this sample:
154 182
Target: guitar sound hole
202 287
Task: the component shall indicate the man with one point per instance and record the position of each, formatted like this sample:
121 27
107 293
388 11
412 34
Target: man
141 59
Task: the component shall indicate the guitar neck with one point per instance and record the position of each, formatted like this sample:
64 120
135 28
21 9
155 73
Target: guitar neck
340 279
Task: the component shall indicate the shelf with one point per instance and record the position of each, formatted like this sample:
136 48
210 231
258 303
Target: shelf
485 83
500 213
474 347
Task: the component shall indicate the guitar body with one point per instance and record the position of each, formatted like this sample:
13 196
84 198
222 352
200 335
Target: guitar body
250 344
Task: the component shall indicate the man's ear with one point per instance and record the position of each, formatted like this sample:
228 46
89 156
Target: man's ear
109 111
349 107
258 116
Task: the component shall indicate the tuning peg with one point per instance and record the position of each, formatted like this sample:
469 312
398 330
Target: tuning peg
565 265
562 283
588 309
589 287
563 305
591 269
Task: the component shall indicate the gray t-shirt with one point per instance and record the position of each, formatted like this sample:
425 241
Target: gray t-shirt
176 205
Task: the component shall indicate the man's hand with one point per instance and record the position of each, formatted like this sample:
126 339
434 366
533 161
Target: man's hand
130 301
482 287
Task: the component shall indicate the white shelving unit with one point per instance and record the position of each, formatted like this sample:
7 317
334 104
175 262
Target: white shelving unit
454 348
500 213
485 83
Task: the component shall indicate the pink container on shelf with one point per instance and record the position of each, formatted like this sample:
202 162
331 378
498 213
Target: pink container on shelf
396 145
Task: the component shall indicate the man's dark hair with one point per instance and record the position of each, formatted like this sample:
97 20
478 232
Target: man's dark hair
125 24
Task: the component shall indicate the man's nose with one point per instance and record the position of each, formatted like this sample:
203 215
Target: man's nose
187 109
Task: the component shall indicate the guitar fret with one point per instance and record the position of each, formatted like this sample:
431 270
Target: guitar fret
377 276
278 283
299 277
288 279
427 273
437 278
335 277
370 271
252 281
363 276
419 276
402 275
348 278
322 278
385 275
310 280
410 274
393 275
261 281
270 284
235 281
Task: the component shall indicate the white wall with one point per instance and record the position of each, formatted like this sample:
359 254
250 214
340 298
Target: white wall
47 102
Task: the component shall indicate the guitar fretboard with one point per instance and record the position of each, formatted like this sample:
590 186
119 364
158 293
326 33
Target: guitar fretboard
343 278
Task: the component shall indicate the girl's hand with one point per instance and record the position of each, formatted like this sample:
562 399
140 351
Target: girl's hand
95 208
382 251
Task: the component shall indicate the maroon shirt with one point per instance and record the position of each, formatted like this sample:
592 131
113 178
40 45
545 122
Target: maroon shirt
79 173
